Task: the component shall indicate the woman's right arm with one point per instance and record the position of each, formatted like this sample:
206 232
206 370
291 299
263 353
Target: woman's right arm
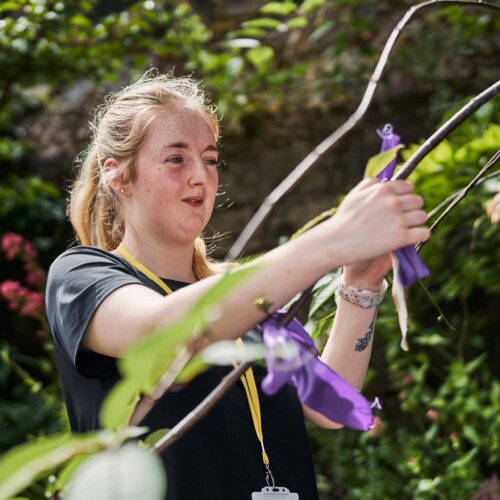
373 219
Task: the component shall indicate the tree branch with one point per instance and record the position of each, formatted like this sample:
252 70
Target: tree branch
306 164
442 132
201 410
147 403
450 198
462 194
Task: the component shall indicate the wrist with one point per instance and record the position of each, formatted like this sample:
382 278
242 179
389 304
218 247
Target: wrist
362 282
364 298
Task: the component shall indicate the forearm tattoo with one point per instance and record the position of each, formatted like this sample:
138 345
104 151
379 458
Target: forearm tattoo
364 341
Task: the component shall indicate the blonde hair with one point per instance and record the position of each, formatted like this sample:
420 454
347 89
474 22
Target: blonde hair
119 129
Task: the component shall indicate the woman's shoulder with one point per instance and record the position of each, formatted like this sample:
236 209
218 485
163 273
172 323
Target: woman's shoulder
85 259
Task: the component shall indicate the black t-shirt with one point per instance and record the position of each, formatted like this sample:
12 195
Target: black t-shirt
220 457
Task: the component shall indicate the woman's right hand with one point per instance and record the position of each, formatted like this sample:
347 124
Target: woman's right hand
375 218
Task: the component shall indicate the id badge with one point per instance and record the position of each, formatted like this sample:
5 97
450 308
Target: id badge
276 493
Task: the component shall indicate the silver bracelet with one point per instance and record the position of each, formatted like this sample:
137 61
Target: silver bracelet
361 298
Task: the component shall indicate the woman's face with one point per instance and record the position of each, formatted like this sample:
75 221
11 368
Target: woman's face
172 195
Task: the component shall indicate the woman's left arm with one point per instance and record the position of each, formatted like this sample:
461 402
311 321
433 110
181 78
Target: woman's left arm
349 344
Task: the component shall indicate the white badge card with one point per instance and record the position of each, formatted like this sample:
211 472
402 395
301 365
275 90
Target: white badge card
276 493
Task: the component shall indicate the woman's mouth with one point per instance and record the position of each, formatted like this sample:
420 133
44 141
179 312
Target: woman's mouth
194 201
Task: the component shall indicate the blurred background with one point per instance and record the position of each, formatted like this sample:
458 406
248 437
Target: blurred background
283 75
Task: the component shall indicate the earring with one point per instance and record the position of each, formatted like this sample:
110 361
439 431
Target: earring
122 190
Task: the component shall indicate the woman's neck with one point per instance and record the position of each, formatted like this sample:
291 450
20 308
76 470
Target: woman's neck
165 260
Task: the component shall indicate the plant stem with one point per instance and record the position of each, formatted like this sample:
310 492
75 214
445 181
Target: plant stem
450 198
147 403
463 193
201 410
442 132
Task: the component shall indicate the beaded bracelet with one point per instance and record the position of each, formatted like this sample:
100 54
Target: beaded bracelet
361 298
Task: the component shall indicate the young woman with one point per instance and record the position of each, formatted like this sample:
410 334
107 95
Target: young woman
145 191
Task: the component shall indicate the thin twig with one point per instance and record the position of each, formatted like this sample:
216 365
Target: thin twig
450 198
303 167
147 403
491 163
201 409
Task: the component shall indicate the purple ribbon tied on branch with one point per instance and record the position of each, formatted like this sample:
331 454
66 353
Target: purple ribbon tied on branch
318 386
411 267
407 264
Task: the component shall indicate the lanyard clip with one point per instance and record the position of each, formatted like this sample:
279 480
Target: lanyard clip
269 477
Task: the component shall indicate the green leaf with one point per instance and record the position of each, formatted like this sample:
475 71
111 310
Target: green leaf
263 22
434 340
224 286
443 153
279 8
314 221
135 471
472 435
194 367
226 352
297 22
67 472
325 294
260 56
473 365
119 405
309 5
378 162
155 436
24 464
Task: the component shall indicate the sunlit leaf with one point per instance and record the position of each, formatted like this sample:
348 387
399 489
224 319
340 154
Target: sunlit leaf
22 465
260 56
263 22
155 436
125 474
297 22
119 405
279 8
314 222
378 162
309 5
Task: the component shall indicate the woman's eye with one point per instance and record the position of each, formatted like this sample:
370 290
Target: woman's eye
175 159
211 161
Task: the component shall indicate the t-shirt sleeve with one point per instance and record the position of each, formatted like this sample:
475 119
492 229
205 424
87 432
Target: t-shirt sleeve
78 281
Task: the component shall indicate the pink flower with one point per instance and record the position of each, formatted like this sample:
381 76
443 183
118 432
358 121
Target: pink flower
21 299
12 244
376 427
33 307
432 415
30 250
10 290
407 379
34 277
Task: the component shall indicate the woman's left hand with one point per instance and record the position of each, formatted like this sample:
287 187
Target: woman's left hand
368 274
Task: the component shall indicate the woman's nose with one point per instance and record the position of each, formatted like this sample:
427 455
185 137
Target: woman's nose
197 172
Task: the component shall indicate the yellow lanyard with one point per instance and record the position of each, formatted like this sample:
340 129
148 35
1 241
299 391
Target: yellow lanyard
247 378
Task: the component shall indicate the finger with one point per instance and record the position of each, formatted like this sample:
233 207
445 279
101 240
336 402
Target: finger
400 187
415 218
409 202
418 234
365 183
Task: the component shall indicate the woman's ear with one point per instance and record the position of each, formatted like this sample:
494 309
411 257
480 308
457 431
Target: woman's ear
113 177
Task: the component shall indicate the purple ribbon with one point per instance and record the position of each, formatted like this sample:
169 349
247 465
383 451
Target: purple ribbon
317 385
411 266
